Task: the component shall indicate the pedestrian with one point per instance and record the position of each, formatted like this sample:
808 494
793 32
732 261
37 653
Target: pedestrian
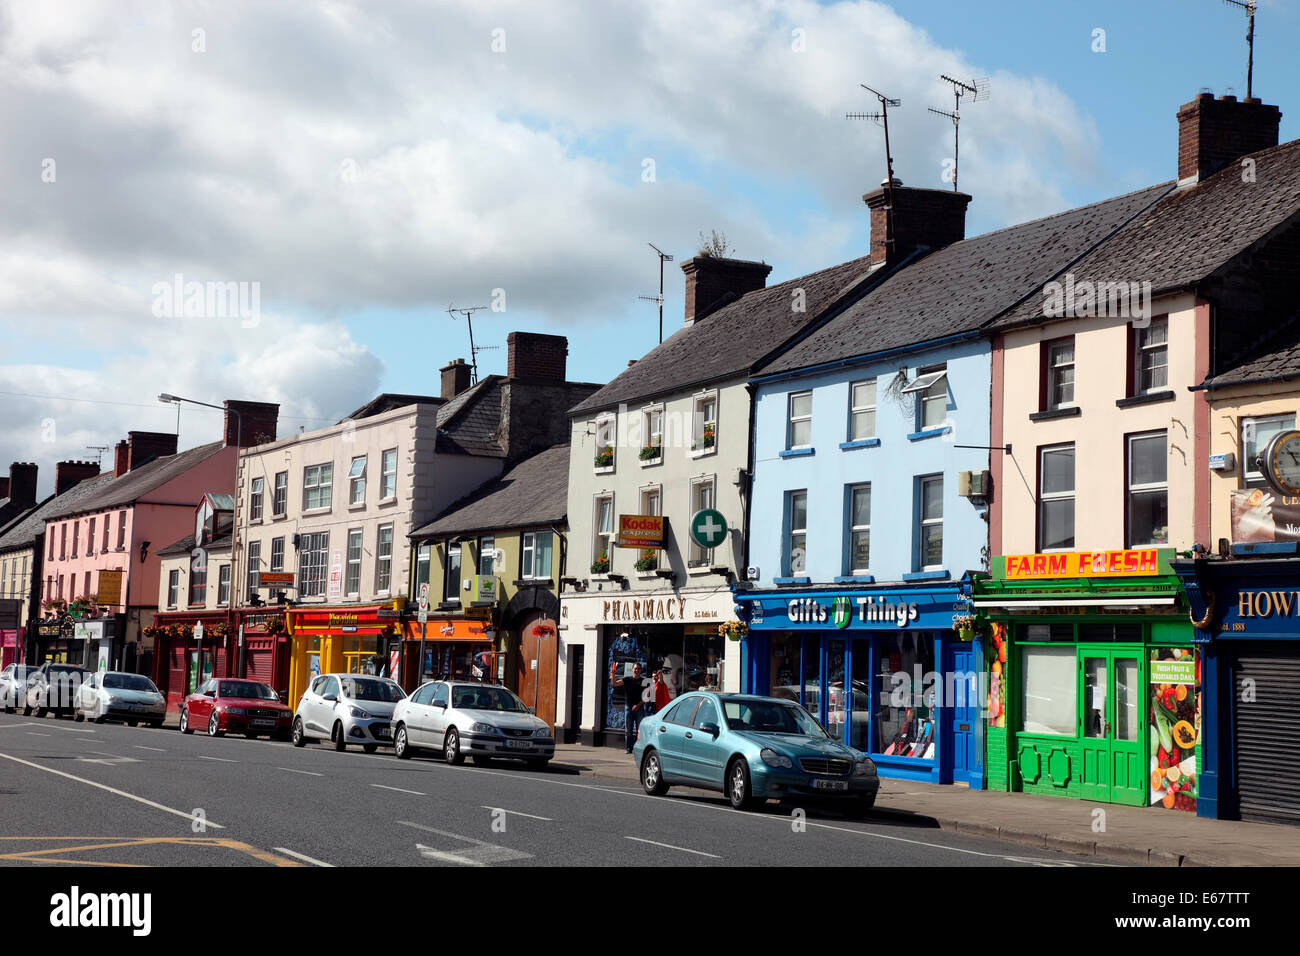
633 685
660 693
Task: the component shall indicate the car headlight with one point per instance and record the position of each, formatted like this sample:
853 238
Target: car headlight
542 732
774 759
865 768
235 710
357 712
477 728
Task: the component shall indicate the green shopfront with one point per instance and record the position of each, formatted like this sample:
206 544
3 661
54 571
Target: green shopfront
1094 682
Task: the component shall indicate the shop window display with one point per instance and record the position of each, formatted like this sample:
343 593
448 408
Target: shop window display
681 662
905 725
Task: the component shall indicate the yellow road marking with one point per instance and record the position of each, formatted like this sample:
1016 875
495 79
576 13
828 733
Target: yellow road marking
44 855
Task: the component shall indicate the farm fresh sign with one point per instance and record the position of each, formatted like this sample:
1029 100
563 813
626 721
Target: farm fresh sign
1143 562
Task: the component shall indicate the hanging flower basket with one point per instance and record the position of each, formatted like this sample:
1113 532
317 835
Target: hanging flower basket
964 625
733 630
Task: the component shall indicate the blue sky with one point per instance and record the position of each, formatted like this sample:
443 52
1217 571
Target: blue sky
370 163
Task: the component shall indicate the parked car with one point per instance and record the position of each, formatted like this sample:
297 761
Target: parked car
13 686
53 687
237 706
481 720
117 695
752 749
347 708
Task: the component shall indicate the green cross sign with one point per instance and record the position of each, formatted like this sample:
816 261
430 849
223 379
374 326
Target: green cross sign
708 528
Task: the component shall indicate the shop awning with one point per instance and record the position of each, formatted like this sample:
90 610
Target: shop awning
1137 604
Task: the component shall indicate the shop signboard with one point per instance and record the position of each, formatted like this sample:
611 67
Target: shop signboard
1137 562
109 591
1261 517
1175 730
640 531
274 579
335 587
930 609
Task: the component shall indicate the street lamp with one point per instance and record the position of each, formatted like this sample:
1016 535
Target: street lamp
235 579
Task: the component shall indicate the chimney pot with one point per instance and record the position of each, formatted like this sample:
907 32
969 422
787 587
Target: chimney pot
714 281
537 356
121 459
69 473
455 378
22 483
254 425
144 446
1214 133
932 218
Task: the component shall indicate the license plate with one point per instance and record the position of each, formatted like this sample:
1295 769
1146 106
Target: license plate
519 744
830 785
263 722
382 733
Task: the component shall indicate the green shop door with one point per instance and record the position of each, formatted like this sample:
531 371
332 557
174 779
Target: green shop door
1110 718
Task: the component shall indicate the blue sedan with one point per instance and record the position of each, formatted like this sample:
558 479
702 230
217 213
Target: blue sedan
752 749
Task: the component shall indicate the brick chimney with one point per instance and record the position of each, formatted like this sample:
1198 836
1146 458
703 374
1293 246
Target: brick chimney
712 282
536 356
22 483
121 459
933 218
143 446
69 473
455 378
1213 133
4 487
254 425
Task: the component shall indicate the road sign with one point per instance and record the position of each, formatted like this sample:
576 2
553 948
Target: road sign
198 631
424 596
267 579
708 528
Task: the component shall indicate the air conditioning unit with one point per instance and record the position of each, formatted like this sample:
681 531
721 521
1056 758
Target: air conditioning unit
974 484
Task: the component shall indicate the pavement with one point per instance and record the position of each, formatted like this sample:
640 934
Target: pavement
1135 835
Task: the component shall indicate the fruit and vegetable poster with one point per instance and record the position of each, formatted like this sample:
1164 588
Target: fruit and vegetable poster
1175 731
997 707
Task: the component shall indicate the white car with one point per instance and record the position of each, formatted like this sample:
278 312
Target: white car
479 720
116 695
347 709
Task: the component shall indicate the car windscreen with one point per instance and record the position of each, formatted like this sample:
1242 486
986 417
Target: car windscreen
246 688
771 717
362 689
487 698
22 670
63 672
130 682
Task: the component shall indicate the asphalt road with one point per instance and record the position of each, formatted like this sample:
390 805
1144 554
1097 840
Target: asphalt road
104 794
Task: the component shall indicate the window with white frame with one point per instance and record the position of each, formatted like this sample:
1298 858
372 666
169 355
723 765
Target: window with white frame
255 499
357 481
606 438
121 531
486 557
313 563
930 528
799 415
280 497
173 588
317 486
703 495
535 555
1056 498
277 564
1256 433
104 544
223 586
602 541
652 434
422 558
1147 490
930 389
253 581
90 537
1151 355
862 410
352 573
1060 373
651 504
704 426
76 533
859 529
198 585
451 580
796 535
384 559
388 477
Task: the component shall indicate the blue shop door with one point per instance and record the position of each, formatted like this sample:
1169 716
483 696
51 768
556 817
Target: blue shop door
965 710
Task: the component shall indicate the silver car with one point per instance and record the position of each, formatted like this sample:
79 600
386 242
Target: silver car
347 709
117 695
53 688
13 686
481 720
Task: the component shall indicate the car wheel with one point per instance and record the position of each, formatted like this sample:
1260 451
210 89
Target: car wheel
370 748
77 715
340 741
451 747
41 712
214 725
652 775
738 789
185 722
401 746
538 763
299 738
27 710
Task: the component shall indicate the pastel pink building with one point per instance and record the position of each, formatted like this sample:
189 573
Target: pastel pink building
105 547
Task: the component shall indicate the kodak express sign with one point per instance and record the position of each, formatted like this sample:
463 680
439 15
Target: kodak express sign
1141 562
640 531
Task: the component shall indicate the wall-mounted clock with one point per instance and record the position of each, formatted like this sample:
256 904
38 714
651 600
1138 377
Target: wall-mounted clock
1280 463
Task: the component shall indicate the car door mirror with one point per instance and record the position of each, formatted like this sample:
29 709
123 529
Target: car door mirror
332 698
711 729
532 710
209 693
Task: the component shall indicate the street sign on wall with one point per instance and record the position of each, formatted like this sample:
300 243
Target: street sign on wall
336 576
109 591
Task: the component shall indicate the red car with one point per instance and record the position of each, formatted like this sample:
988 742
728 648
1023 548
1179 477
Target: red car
232 705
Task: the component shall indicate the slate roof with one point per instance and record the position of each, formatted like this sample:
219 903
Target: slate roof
1190 234
25 531
389 401
963 286
470 423
138 482
1277 359
186 544
730 341
534 492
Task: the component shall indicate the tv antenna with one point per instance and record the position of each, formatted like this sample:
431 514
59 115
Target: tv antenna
977 90
473 349
883 118
1249 7
663 257
99 450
